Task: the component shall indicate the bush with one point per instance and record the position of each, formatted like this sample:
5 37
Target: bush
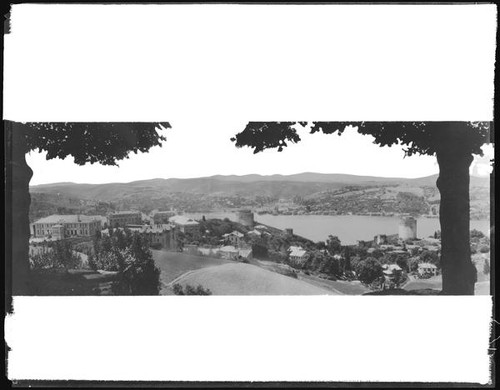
60 255
486 267
369 270
130 256
484 249
190 290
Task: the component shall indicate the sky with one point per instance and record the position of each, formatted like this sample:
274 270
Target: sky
208 70
199 149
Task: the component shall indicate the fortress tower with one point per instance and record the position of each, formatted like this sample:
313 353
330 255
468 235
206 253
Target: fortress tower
245 217
407 228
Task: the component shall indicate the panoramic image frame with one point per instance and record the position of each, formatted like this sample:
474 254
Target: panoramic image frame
242 235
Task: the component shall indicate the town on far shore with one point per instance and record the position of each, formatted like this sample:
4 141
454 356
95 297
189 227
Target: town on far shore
78 254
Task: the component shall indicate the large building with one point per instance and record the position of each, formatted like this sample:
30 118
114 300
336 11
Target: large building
185 225
64 226
162 235
124 218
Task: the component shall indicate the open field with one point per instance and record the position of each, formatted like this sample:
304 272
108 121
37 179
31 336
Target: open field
340 286
174 264
247 279
435 283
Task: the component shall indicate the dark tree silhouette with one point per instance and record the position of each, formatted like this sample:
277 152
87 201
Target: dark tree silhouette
103 143
453 144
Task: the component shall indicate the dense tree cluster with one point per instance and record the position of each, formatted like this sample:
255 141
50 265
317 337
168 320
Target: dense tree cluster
129 255
55 256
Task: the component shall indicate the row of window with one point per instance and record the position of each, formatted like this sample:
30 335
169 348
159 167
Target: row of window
71 232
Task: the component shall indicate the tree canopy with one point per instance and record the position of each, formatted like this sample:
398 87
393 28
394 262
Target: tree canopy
416 137
91 142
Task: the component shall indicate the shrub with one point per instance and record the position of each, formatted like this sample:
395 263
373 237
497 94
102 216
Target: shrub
190 290
369 270
484 249
486 267
60 255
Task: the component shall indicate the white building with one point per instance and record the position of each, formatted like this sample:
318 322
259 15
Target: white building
297 253
234 238
63 226
228 252
427 268
185 224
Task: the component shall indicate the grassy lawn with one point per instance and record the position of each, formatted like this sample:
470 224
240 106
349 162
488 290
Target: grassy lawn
339 286
419 284
247 279
174 264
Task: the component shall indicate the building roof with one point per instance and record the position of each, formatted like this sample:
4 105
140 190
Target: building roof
125 212
262 227
57 218
182 220
206 251
255 232
297 251
235 233
390 268
245 252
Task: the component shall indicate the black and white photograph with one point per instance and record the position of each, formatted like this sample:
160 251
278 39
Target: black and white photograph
215 181
307 233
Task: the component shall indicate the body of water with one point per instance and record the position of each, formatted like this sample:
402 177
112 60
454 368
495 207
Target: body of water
348 228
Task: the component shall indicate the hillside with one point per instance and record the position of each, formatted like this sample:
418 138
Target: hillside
247 279
306 193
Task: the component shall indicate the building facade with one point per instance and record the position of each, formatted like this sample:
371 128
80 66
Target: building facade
157 235
124 218
63 226
185 225
235 238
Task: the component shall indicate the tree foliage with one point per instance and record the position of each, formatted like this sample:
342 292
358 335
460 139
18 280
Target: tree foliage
190 290
130 256
59 255
369 270
415 137
92 142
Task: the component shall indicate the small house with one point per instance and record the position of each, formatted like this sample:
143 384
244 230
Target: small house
427 268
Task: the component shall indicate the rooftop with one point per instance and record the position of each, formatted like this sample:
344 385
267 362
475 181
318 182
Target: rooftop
182 220
56 218
297 251
125 212
235 233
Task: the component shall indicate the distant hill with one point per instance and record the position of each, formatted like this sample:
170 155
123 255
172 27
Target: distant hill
316 192
273 185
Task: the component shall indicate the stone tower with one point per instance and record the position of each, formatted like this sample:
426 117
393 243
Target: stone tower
245 217
407 228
